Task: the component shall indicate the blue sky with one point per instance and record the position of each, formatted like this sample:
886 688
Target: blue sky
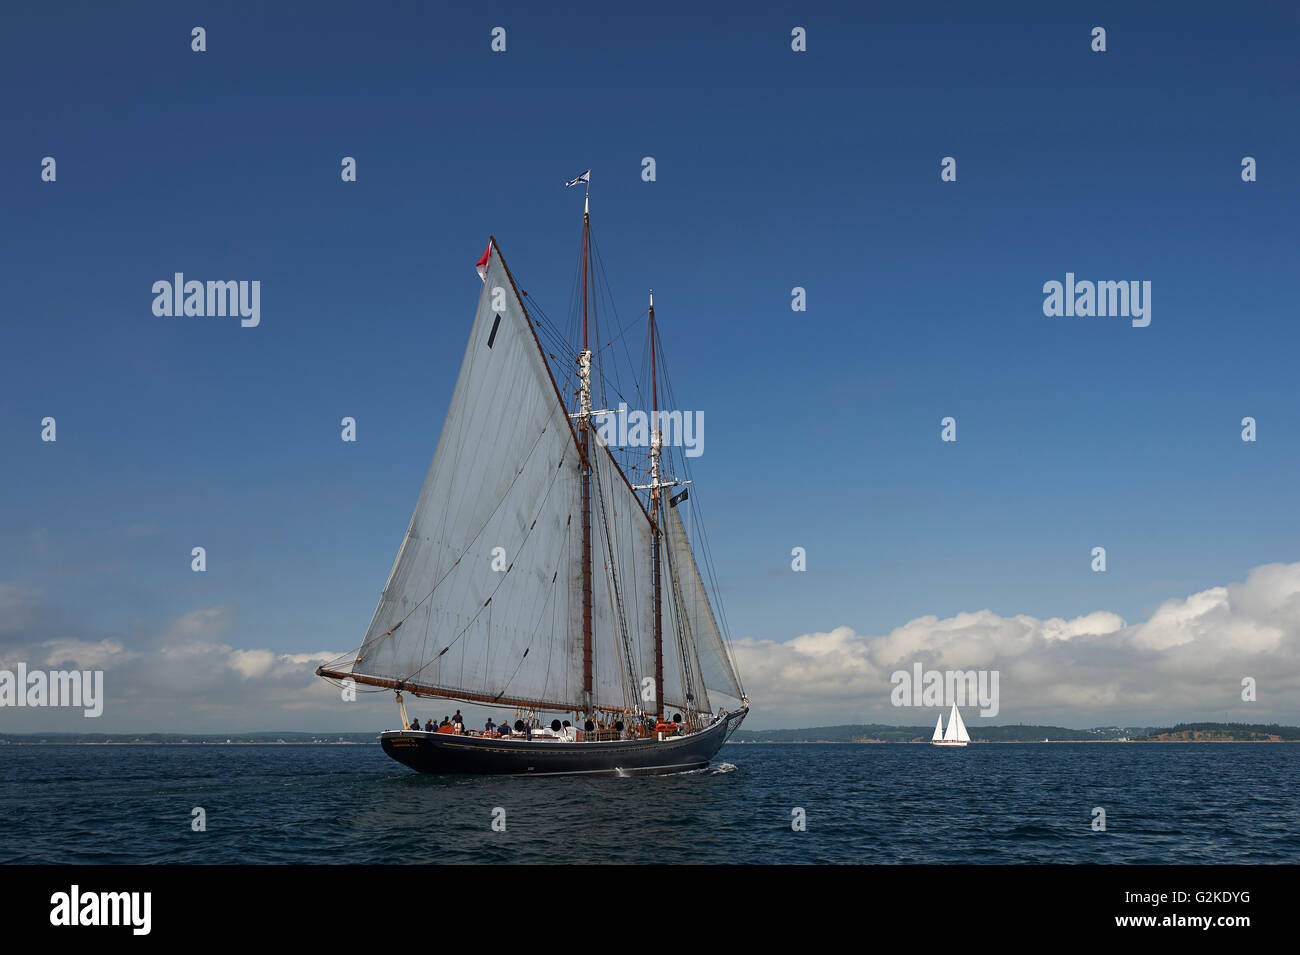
775 169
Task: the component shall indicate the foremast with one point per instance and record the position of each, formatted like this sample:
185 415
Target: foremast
656 441
656 487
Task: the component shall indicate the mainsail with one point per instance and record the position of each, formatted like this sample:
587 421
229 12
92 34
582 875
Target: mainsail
480 599
956 731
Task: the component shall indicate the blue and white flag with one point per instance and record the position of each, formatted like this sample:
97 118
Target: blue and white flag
585 177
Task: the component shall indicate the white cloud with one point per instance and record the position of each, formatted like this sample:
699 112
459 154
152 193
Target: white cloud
83 655
1185 663
201 671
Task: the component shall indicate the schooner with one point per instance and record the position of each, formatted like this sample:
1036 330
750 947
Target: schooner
534 576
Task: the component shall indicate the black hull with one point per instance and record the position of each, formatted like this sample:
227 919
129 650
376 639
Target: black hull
483 756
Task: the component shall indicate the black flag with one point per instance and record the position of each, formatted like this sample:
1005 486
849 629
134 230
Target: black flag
678 498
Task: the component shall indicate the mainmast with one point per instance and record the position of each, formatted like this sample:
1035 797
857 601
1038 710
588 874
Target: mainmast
584 426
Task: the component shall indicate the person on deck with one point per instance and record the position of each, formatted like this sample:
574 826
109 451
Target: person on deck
428 725
445 722
489 727
415 723
458 719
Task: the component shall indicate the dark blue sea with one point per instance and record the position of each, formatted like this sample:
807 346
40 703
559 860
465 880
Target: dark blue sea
992 803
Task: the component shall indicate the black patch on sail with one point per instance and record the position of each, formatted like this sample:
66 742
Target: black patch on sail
678 498
493 336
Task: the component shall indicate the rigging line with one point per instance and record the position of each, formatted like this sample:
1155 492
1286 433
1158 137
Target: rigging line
554 335
626 328
331 664
616 598
685 633
613 601
728 662
454 564
675 614
702 542
356 687
705 550
613 380
527 534
551 327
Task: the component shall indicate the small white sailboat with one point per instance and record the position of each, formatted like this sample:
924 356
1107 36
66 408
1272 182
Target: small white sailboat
955 735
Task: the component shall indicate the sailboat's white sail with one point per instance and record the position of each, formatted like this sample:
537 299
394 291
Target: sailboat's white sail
954 720
485 594
938 728
715 666
962 735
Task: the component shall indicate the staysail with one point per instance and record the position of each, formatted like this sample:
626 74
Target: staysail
938 728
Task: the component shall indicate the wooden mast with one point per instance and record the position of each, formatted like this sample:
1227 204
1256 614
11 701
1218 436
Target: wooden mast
656 534
585 431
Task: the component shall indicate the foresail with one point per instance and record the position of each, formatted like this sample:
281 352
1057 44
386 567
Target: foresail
622 608
715 663
485 595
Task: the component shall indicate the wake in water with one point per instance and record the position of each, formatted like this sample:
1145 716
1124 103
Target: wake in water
706 770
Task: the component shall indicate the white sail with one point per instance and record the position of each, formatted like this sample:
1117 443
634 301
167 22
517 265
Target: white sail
683 685
954 721
485 596
938 728
622 604
716 670
962 735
